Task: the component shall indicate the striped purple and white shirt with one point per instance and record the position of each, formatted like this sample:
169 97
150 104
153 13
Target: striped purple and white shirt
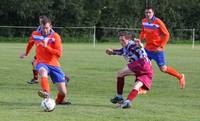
132 52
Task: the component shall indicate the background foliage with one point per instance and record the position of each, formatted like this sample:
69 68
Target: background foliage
117 13
178 14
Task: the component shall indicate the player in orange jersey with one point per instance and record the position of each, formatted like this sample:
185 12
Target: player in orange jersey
48 52
156 35
34 80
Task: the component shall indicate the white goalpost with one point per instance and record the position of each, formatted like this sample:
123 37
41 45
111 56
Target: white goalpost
192 33
193 38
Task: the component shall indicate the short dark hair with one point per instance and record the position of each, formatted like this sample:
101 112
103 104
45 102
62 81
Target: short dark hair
127 34
42 16
149 7
45 20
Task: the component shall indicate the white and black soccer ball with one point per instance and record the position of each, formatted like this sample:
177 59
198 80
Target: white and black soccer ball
48 104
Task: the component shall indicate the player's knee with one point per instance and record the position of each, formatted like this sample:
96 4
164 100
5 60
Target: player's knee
163 69
43 72
120 74
138 85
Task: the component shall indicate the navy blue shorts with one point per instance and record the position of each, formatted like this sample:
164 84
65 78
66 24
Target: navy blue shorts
159 57
56 74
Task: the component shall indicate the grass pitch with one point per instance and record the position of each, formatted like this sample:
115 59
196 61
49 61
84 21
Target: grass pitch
92 85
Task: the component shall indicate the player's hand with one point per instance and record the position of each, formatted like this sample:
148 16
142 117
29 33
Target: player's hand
45 42
22 56
138 42
109 51
41 44
159 49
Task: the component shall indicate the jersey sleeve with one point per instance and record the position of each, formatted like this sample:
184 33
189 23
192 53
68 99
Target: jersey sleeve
57 50
165 34
142 34
29 45
118 51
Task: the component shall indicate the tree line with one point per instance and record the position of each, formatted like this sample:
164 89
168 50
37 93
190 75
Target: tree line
117 13
108 13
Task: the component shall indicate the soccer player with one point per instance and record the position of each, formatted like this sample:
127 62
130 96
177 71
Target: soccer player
156 35
48 52
138 65
34 80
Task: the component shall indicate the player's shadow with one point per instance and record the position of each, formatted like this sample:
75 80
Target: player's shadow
17 104
92 105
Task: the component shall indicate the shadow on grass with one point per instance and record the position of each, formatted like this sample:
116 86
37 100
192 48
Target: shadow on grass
17 104
19 86
93 105
26 104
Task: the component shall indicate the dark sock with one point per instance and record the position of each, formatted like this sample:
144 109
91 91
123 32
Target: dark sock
35 74
120 85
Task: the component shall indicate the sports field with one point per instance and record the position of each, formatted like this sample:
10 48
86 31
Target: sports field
92 85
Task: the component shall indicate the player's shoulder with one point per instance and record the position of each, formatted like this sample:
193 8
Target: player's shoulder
158 20
35 33
144 20
56 35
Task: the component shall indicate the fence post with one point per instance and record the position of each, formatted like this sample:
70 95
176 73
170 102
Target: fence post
94 37
193 37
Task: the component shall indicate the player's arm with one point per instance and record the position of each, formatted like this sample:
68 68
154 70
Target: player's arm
165 34
57 50
28 47
142 34
118 51
110 51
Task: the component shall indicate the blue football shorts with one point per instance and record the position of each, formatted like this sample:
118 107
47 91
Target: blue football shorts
56 74
158 56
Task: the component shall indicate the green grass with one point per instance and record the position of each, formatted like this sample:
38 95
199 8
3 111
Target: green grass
93 84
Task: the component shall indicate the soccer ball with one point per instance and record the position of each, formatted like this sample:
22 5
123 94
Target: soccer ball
48 104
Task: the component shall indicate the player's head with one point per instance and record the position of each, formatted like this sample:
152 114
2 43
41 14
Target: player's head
125 37
41 18
149 12
46 26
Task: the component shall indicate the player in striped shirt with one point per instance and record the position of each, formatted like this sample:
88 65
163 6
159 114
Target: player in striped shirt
156 35
138 65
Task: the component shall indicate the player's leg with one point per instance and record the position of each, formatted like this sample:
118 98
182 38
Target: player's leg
43 71
173 72
143 91
35 72
120 84
59 79
160 60
132 95
144 74
159 57
62 92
